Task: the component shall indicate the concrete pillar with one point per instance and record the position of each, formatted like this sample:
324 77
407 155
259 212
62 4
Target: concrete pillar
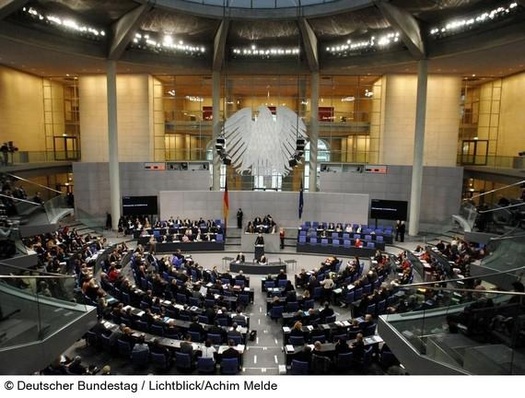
114 172
216 115
314 132
419 143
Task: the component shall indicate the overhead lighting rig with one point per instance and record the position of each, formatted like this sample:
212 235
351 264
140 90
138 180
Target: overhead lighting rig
299 152
220 146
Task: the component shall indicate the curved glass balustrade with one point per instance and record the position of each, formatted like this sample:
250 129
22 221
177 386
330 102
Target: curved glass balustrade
57 208
457 331
35 305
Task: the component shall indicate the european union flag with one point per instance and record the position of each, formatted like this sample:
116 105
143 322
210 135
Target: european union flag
301 201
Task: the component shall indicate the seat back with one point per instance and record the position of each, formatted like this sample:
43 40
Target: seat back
124 348
292 306
307 304
205 365
367 289
194 301
296 340
157 330
369 330
195 336
282 282
276 312
269 284
106 342
229 366
299 367
140 359
159 360
321 365
240 282
215 338
341 336
236 338
181 298
330 319
183 360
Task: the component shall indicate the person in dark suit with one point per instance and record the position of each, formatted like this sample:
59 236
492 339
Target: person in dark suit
400 231
217 329
259 240
282 274
358 350
159 349
326 312
234 332
342 347
231 352
239 218
195 326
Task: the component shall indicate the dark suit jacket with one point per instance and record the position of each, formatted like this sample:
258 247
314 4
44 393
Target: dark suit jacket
231 353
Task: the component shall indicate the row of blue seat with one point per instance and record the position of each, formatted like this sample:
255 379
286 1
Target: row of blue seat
302 240
343 235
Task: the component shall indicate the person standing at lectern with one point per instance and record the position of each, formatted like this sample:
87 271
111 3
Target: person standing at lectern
281 237
259 247
239 218
259 240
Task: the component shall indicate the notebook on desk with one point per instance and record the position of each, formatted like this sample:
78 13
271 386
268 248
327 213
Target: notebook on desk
286 329
289 348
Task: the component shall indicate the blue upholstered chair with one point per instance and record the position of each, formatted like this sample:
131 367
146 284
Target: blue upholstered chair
229 366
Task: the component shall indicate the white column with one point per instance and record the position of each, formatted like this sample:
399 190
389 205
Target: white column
216 115
419 143
114 172
314 132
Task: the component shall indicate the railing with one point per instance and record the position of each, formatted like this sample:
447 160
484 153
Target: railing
34 305
57 207
24 157
503 162
481 336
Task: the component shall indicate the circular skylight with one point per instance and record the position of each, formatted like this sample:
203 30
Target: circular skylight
256 9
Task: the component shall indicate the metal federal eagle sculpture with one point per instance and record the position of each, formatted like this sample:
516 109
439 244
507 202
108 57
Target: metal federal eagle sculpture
264 144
